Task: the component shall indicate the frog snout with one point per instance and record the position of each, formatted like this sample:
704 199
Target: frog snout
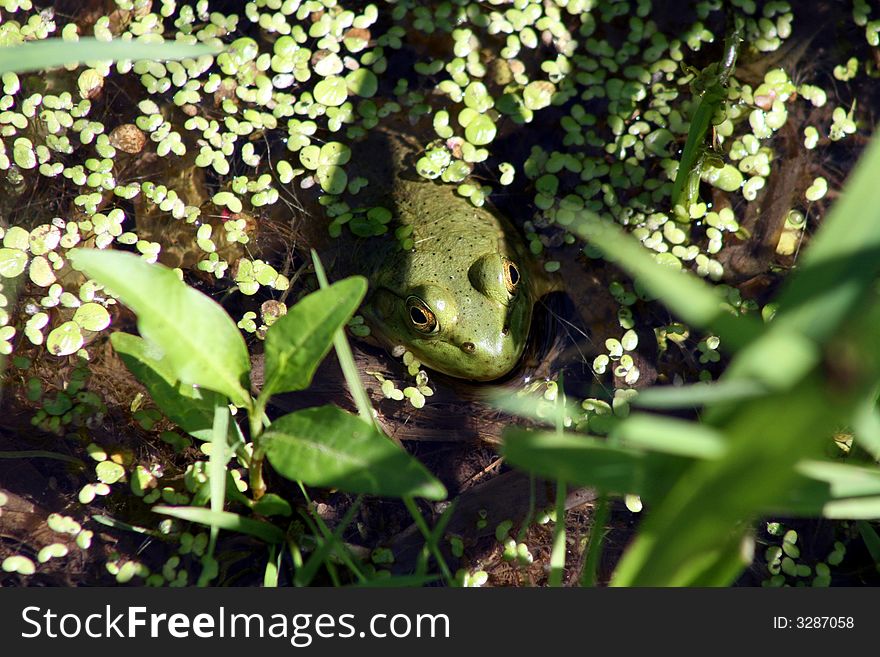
468 347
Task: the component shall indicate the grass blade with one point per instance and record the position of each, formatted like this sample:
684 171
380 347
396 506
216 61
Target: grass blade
224 520
670 436
590 571
693 300
49 53
699 394
346 360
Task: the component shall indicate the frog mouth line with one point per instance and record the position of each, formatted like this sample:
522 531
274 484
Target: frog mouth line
459 358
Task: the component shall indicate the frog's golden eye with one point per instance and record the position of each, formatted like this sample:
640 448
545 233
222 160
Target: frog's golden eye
422 317
512 276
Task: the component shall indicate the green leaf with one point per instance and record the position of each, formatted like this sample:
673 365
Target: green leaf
331 91
346 360
693 300
49 53
538 94
219 457
843 260
362 82
189 407
332 178
670 436
299 341
330 448
871 539
272 505
866 425
224 520
589 461
12 262
200 342
706 506
92 317
842 480
480 130
65 339
698 394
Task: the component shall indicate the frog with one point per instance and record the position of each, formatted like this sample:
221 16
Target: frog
462 296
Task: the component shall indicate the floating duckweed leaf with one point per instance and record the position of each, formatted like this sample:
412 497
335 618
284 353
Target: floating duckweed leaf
18 564
23 153
362 82
328 447
334 152
727 178
330 64
817 190
229 200
43 239
40 272
477 97
92 317
538 94
331 91
310 156
285 171
12 262
65 340
52 551
332 179
480 130
109 472
16 237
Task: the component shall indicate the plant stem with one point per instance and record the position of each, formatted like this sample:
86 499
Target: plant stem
430 540
256 414
217 466
346 360
589 574
557 554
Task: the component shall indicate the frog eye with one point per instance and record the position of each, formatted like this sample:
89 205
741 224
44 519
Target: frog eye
421 316
512 276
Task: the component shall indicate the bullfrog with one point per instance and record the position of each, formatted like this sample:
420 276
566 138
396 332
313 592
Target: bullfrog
461 298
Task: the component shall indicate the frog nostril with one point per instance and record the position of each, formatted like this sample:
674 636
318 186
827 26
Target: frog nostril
468 347
505 331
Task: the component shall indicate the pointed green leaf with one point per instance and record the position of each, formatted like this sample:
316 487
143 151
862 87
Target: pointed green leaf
699 394
670 436
330 448
49 53
200 343
589 461
189 407
272 505
299 341
695 301
224 520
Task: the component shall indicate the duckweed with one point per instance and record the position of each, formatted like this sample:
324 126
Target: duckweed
276 113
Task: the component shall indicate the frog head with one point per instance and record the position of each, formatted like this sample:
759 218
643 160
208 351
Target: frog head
470 322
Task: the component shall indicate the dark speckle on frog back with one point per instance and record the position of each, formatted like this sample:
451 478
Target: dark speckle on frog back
461 298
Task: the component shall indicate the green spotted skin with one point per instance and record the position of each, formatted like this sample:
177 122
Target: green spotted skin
468 273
